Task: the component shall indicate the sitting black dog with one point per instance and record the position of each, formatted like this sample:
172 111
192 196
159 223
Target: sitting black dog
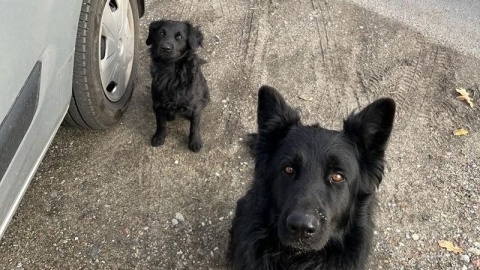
178 85
311 203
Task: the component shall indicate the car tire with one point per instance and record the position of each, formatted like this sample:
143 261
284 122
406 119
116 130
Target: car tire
105 63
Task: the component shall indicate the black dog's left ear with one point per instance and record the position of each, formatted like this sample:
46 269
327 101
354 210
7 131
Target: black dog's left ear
195 36
154 26
370 129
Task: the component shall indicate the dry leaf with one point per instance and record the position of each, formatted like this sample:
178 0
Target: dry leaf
450 246
305 98
464 96
460 132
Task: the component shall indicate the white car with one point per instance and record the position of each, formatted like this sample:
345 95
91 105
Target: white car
60 60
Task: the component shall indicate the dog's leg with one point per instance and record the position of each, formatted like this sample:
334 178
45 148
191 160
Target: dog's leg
159 136
195 140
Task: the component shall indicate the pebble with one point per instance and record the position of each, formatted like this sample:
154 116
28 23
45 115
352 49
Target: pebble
174 221
415 237
465 258
475 251
179 217
176 162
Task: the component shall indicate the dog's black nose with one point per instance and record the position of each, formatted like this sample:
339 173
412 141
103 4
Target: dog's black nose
302 224
166 47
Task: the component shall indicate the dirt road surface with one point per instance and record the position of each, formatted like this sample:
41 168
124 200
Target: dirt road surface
108 200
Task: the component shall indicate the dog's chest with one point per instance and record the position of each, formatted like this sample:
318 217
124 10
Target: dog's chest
172 93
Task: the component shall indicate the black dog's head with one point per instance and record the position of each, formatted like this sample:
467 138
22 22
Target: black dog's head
171 40
318 179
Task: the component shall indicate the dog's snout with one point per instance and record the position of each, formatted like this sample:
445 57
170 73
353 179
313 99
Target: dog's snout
167 47
302 224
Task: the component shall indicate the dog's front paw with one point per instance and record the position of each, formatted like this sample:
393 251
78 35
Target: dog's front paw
158 140
195 144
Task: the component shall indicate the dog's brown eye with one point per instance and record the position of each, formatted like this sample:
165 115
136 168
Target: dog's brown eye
337 177
288 170
162 34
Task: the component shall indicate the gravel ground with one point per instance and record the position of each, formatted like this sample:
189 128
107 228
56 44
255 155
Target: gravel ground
107 200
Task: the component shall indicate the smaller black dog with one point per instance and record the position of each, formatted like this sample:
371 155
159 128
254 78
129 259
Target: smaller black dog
311 204
178 85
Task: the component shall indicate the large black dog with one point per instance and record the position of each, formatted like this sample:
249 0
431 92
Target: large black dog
178 85
313 197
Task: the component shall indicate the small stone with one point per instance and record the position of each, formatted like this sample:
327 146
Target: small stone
415 237
176 162
465 258
174 221
179 217
476 244
464 267
475 251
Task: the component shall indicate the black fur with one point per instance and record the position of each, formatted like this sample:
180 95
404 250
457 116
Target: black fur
178 85
295 215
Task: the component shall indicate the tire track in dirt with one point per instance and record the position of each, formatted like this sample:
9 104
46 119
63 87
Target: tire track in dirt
444 94
316 7
247 25
331 74
411 93
402 80
226 8
441 70
422 75
240 91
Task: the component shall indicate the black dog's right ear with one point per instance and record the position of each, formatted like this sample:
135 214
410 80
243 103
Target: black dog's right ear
275 118
154 26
